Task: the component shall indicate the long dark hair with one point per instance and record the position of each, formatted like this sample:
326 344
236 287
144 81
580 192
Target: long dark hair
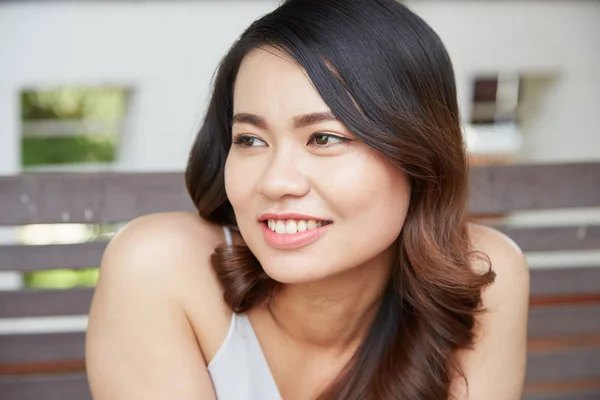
387 76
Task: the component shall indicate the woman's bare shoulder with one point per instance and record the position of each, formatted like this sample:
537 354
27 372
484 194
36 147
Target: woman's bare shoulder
504 254
167 243
496 364
170 231
175 247
157 299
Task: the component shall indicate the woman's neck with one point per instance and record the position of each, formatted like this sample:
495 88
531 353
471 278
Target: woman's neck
336 313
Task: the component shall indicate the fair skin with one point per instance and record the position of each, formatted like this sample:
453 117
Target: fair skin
158 316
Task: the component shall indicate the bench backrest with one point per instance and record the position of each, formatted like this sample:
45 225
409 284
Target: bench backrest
564 323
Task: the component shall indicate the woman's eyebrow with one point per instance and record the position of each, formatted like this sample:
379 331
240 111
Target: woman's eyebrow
300 121
251 119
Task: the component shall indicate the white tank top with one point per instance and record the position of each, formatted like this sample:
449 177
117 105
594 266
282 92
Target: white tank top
239 370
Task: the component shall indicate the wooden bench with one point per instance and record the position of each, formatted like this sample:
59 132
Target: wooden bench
564 323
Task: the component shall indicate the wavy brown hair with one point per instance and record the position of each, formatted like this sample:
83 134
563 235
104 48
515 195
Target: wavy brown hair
387 76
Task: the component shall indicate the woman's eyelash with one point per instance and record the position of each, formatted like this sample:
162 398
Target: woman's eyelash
245 140
329 136
316 139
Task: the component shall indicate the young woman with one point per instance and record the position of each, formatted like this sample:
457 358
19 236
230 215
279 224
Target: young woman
331 257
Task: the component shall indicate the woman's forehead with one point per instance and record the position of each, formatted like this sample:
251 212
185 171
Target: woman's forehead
270 81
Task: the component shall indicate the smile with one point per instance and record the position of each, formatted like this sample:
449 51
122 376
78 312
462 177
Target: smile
292 231
292 226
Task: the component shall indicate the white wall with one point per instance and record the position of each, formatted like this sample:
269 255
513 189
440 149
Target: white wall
556 38
168 51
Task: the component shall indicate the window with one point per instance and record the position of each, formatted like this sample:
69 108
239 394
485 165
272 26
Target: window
71 126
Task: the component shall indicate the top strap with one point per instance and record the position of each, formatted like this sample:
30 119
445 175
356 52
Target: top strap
227 233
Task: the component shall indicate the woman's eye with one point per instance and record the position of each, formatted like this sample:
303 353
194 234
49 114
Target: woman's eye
326 139
248 141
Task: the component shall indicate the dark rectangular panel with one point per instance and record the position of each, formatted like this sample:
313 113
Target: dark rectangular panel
42 347
579 363
565 281
564 320
587 394
115 197
85 198
45 387
498 189
42 303
39 257
561 238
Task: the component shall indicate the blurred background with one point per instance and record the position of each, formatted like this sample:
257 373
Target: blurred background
121 86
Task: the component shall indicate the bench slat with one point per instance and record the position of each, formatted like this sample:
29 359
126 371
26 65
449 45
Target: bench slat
562 238
116 197
563 320
41 257
579 363
565 281
43 303
591 394
50 387
499 189
87 198
42 347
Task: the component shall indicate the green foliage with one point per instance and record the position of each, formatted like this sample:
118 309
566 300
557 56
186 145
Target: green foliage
67 150
62 278
106 103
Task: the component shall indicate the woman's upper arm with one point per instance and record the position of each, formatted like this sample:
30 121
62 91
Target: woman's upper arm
140 344
495 368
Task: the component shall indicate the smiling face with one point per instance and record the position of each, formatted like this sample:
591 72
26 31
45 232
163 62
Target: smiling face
310 199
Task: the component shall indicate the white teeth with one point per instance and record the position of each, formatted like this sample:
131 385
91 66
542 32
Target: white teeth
279 227
291 226
302 226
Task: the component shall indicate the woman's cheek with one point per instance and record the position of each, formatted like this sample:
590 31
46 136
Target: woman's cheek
234 183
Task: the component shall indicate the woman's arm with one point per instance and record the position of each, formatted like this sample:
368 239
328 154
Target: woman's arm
140 345
495 368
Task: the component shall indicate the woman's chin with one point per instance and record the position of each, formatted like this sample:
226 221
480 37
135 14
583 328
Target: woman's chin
294 273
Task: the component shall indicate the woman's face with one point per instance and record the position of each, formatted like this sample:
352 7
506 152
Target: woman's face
310 199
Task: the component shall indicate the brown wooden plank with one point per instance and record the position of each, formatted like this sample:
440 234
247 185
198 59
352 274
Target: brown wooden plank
555 238
42 347
564 320
41 303
564 300
547 344
114 197
84 198
564 281
498 189
46 387
563 386
579 363
40 257
54 367
575 393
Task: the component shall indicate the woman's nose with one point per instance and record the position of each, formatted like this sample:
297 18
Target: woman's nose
283 176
